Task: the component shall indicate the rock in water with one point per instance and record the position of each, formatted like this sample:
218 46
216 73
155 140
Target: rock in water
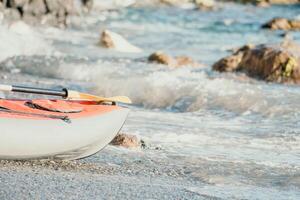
277 63
186 61
231 63
278 23
162 58
125 140
282 24
115 41
205 4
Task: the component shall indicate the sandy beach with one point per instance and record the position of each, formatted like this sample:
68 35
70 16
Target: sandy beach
88 180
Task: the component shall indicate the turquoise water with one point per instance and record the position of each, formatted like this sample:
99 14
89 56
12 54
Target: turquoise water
236 137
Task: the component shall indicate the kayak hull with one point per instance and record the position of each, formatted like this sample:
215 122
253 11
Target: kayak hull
25 138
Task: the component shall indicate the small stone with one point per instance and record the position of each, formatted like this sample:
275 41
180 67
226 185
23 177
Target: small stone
115 41
184 60
165 59
126 140
162 58
52 162
106 40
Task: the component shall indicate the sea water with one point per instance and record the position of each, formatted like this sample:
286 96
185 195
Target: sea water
235 136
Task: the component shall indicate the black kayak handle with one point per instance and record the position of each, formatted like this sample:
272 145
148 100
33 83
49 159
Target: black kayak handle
62 93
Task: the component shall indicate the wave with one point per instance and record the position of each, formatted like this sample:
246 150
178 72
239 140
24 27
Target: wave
20 39
155 86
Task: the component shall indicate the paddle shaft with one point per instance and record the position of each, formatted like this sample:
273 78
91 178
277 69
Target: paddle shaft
64 93
13 88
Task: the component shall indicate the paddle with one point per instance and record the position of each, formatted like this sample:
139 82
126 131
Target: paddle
65 93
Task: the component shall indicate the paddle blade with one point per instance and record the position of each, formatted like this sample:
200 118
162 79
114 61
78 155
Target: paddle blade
83 96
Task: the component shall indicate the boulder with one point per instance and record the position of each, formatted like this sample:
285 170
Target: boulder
231 63
165 59
11 14
60 6
54 12
115 41
17 3
126 140
35 8
274 63
282 24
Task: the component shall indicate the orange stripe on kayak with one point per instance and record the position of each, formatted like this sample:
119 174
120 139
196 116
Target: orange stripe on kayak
89 108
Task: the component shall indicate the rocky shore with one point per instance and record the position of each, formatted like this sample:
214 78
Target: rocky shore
56 12
52 12
277 63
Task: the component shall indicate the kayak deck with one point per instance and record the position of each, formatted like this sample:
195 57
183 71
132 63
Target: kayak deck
40 109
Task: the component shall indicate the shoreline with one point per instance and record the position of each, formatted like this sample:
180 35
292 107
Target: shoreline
70 185
90 180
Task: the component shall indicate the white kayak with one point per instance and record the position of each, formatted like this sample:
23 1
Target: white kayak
56 129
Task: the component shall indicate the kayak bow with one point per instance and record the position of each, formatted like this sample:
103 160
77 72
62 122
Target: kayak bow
57 129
